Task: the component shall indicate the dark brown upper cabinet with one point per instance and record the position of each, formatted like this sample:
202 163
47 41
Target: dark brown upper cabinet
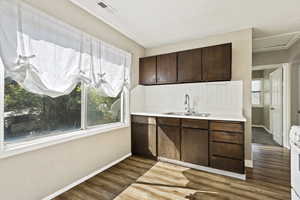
167 68
190 66
216 63
148 71
196 65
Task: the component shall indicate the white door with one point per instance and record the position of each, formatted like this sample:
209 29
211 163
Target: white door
276 118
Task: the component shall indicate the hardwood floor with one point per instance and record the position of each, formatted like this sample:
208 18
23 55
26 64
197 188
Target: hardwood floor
141 179
261 136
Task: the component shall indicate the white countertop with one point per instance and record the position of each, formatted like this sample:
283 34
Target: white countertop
212 116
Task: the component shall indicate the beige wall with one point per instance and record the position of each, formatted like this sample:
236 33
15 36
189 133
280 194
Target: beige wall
294 60
271 57
241 65
36 174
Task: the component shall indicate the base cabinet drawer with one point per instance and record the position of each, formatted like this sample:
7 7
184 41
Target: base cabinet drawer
227 137
168 121
194 146
168 142
194 123
232 165
143 140
227 126
143 120
235 151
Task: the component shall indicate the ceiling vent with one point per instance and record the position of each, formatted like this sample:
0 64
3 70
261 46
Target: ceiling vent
102 4
107 7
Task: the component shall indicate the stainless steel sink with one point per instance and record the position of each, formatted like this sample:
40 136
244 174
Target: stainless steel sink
189 114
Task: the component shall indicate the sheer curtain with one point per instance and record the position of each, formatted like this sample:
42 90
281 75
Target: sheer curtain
48 57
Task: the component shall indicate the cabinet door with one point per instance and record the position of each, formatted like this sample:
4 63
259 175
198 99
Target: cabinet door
216 63
227 164
148 71
194 146
190 66
144 139
169 142
167 68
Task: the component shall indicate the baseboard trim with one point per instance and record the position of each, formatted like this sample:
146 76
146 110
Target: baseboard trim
68 187
207 169
249 163
262 126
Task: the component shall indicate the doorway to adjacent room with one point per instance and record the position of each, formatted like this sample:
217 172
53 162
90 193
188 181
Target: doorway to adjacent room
271 105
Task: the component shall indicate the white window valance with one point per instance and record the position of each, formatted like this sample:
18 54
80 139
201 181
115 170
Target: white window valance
48 57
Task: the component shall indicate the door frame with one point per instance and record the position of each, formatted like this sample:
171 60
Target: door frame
286 97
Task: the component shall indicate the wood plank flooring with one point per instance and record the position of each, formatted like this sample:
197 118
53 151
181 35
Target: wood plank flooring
141 179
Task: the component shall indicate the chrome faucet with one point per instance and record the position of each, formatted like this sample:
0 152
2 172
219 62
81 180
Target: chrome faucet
187 105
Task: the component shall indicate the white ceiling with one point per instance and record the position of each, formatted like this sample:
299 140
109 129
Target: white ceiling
276 42
158 22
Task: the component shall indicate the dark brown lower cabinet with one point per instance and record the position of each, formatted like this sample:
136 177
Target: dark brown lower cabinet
144 137
216 144
144 140
168 141
194 146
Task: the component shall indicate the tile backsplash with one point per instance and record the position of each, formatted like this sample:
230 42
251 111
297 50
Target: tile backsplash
213 97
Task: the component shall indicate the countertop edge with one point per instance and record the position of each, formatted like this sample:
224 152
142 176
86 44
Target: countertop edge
216 117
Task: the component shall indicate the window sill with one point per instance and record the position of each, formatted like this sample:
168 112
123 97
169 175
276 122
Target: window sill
22 147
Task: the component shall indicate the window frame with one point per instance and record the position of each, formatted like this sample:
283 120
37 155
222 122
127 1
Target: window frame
2 86
7 150
261 92
84 111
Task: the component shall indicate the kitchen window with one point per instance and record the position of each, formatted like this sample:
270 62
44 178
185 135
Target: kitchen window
257 93
57 80
28 115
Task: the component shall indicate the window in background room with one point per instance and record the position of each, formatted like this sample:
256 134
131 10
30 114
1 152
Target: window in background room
257 93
